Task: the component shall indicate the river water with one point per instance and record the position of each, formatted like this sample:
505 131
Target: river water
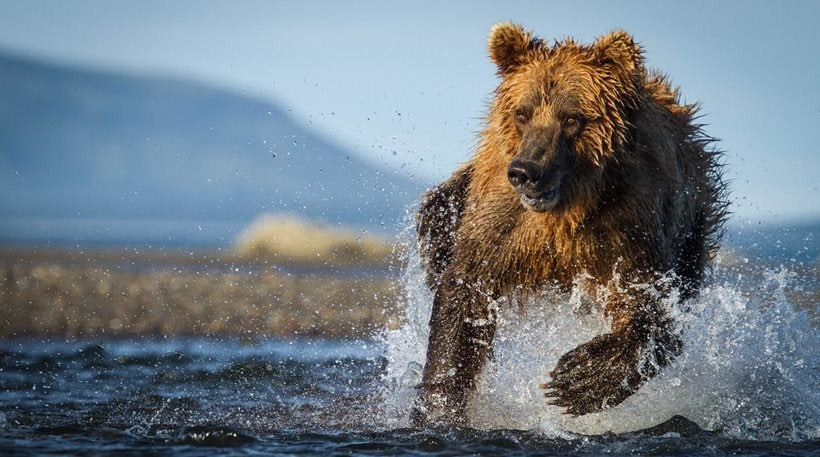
205 397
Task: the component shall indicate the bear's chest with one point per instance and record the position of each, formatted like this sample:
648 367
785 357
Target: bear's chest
513 250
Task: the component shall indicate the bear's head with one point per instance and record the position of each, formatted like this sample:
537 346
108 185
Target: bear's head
562 111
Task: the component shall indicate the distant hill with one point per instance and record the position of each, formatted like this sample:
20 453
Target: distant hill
95 156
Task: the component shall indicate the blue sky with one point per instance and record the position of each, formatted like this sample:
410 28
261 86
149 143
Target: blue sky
406 84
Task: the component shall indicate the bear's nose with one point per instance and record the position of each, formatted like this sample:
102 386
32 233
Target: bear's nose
523 172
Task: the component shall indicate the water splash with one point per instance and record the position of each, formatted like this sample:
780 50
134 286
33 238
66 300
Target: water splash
749 369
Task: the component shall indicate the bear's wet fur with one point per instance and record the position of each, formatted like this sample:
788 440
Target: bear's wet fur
588 164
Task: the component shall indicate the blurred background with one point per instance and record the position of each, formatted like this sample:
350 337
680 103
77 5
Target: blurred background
277 140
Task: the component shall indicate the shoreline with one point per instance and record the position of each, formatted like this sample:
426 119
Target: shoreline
76 294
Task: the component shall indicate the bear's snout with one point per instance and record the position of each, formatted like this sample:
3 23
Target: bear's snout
524 172
538 187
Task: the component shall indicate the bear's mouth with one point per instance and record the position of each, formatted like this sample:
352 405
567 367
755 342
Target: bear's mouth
541 201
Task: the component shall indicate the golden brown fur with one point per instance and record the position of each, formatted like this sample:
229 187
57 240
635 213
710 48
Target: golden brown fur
643 197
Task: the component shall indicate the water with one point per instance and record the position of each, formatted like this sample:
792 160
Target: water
183 394
198 397
748 378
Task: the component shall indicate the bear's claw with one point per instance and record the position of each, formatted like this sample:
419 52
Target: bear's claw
596 375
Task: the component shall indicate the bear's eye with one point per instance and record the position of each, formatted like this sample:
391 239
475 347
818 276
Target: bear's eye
522 116
573 121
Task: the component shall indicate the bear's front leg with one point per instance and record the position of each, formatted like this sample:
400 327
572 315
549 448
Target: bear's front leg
461 337
606 370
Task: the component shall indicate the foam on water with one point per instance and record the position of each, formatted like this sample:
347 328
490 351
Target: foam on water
749 368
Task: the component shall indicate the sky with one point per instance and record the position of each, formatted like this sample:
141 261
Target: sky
406 84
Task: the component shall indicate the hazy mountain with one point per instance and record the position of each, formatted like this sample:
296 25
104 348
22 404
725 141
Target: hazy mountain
87 154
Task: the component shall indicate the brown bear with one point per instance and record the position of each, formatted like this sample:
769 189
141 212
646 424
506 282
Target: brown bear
588 164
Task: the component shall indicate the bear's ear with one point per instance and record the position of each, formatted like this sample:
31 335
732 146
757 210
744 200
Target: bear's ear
507 43
618 48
